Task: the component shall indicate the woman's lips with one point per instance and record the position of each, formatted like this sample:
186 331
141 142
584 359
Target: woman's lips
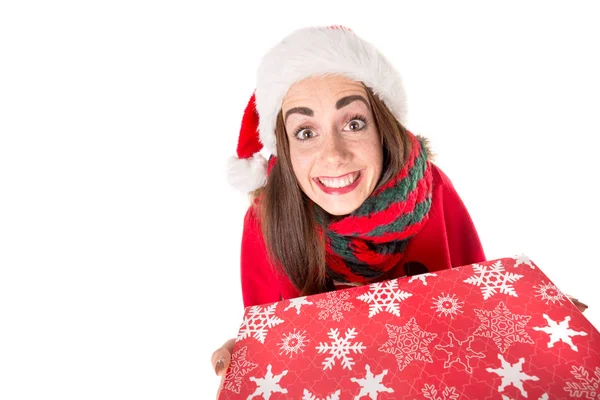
339 180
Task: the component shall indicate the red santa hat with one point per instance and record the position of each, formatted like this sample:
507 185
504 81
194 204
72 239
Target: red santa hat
306 52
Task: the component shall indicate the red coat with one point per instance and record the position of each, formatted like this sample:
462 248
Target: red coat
448 239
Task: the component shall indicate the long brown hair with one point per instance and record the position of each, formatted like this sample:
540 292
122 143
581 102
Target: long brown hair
288 216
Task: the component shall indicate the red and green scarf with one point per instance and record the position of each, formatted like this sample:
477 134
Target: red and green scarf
364 245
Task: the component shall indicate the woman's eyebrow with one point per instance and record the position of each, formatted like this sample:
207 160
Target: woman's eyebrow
299 110
344 101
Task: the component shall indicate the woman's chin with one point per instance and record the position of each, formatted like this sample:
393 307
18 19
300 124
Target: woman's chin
340 206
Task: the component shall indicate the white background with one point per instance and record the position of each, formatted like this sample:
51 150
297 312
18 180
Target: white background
119 237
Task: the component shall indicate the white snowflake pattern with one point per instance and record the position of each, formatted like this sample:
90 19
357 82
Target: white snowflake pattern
587 386
421 277
334 305
523 259
408 343
309 396
293 343
512 374
504 327
339 348
559 331
460 353
297 303
542 397
371 384
238 368
384 296
549 293
430 392
258 322
447 305
493 279
267 385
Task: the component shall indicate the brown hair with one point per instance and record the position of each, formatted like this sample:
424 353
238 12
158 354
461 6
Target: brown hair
288 216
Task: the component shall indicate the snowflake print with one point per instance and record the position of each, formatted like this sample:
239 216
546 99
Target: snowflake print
258 322
268 385
560 331
542 397
512 374
588 388
447 305
309 396
334 305
523 259
421 277
430 392
384 296
293 342
492 279
297 303
504 327
371 384
339 348
238 368
549 293
408 343
460 353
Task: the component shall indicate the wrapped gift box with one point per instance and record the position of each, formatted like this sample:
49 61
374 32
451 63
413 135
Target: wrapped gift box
494 330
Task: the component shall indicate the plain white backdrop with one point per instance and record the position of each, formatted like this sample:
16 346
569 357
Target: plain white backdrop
119 236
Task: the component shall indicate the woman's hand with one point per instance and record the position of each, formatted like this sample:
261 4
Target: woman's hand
582 307
221 359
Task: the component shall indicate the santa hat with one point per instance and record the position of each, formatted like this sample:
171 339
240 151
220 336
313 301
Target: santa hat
304 53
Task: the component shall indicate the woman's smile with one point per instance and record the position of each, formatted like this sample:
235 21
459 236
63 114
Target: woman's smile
341 184
338 181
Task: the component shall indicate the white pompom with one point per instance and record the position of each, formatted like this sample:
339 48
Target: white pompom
247 174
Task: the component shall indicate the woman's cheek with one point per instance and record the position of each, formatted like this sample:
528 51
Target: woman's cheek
372 150
301 164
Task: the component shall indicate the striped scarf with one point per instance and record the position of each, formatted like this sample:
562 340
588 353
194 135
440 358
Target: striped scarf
364 245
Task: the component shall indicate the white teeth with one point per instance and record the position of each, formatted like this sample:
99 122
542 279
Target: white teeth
339 182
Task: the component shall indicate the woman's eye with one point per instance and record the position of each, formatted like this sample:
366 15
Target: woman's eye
304 134
356 125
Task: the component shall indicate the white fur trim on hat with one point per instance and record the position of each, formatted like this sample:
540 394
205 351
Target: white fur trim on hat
316 51
247 174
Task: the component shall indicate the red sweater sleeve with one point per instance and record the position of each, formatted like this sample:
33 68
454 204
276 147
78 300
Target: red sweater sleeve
463 240
261 282
448 239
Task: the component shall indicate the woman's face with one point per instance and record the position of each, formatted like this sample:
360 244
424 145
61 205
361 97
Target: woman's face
335 149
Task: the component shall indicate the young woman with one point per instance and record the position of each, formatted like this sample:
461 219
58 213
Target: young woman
349 195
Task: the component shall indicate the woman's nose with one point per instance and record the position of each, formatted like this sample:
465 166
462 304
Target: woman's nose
334 150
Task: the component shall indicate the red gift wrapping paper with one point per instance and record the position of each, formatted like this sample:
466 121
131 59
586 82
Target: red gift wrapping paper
493 330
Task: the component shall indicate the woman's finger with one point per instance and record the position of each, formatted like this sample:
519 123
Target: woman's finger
580 306
222 357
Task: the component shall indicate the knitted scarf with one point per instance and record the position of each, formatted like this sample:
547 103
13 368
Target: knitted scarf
362 246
